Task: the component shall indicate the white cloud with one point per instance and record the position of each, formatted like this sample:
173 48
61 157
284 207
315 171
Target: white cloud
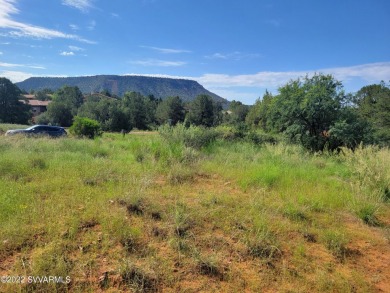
75 48
1 53
2 64
232 56
12 65
82 5
166 50
15 76
159 63
74 27
91 26
248 87
19 29
64 53
372 72
115 15
216 56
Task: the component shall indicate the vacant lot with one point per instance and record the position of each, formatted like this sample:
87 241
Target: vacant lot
139 213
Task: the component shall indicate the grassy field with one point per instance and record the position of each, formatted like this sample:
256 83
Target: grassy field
139 213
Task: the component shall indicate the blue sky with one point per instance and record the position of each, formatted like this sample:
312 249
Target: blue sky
236 49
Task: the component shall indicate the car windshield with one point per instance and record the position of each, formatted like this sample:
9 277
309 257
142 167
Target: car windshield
30 128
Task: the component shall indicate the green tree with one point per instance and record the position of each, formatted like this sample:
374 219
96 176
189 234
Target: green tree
306 109
259 113
170 110
349 130
237 113
44 95
136 110
117 120
373 104
107 112
59 113
70 95
96 108
204 111
151 104
64 106
12 110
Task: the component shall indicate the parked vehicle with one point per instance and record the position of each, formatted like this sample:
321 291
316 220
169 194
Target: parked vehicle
53 131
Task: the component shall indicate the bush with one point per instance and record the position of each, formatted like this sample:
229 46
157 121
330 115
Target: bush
192 136
241 132
370 167
260 138
85 127
231 133
43 119
226 132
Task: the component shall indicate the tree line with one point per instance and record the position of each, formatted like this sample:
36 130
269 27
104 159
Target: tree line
133 110
317 113
313 111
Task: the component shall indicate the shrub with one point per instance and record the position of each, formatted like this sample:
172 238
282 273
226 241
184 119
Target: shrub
371 171
85 127
192 136
260 138
43 119
226 132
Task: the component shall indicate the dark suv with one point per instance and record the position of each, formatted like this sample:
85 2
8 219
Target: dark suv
54 131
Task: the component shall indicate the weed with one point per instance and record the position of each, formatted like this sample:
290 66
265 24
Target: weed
139 279
126 235
156 216
195 137
386 193
88 224
140 157
181 220
310 237
180 174
38 163
189 156
371 167
50 260
136 208
367 213
294 213
264 245
211 266
336 242
180 245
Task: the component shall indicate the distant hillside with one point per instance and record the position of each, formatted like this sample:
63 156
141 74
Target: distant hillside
118 85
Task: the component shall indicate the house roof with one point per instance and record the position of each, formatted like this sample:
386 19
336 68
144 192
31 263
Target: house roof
30 97
38 103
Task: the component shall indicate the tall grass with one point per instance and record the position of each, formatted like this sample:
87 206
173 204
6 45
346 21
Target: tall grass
151 212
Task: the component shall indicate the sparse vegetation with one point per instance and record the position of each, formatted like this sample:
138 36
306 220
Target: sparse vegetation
150 213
